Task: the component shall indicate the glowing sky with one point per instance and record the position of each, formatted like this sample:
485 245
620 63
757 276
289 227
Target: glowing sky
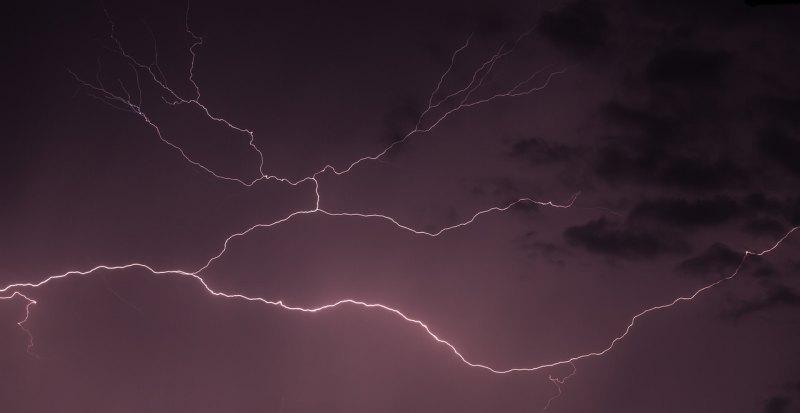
400 206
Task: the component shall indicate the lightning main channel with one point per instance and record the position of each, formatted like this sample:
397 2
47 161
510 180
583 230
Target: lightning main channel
14 292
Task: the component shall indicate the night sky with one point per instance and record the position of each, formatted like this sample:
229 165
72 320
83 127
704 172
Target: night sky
604 158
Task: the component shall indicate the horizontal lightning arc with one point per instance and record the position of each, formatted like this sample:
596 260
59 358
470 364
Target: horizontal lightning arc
393 221
382 307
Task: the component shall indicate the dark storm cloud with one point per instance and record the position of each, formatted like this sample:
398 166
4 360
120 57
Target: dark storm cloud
674 137
769 2
791 211
778 296
701 172
538 151
657 128
719 13
781 110
550 251
673 124
483 19
782 149
492 21
688 214
622 240
687 68
689 85
579 28
759 202
764 227
717 259
777 404
761 205
765 272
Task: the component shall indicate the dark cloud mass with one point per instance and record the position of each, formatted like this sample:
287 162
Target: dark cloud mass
764 227
691 173
687 68
781 111
655 128
680 212
717 260
782 149
776 297
777 404
580 28
615 239
538 151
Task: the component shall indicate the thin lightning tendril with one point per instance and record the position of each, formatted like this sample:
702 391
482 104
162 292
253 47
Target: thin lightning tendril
439 107
558 382
124 101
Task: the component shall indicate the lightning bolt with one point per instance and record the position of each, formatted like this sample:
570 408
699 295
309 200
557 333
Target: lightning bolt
440 106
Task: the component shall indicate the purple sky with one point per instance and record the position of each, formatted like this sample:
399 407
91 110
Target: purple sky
677 123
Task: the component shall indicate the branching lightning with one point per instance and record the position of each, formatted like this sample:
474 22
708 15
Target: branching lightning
439 107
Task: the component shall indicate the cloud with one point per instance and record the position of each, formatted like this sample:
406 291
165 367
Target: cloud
777 405
700 172
641 122
578 28
717 259
778 296
764 227
758 202
608 238
673 130
553 253
698 69
675 139
782 110
788 208
538 151
688 214
782 149
482 18
792 211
